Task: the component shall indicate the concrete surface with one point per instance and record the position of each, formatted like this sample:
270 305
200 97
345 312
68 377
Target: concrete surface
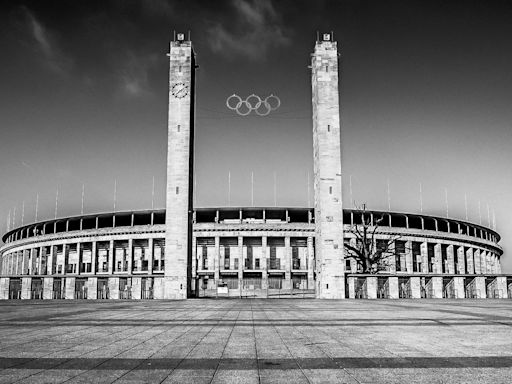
256 341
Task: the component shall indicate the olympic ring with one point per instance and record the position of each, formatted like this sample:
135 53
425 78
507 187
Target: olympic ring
253 103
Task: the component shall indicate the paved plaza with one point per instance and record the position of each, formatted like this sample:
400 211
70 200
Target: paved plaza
256 341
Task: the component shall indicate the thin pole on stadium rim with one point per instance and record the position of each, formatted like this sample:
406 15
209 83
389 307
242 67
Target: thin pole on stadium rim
153 194
446 199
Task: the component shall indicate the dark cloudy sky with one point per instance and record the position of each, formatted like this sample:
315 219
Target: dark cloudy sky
426 90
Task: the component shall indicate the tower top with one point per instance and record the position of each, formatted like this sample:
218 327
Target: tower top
181 39
325 37
325 42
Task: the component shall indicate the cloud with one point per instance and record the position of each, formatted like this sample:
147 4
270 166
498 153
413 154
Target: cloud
134 75
255 29
45 43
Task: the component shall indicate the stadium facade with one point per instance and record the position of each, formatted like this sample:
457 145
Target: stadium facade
184 251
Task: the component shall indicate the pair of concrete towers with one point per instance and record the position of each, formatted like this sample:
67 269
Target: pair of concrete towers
330 278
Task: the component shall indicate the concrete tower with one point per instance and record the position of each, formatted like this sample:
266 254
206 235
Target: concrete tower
180 160
330 269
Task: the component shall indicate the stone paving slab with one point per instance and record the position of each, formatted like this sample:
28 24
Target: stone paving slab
256 341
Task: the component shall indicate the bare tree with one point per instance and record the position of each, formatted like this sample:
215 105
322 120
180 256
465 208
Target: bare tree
371 254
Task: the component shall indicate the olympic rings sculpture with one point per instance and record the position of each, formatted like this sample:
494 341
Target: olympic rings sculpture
253 103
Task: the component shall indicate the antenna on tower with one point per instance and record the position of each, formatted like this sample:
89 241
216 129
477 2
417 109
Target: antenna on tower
174 35
189 35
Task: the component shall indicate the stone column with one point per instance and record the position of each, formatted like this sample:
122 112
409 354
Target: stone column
287 263
40 266
151 257
48 288
136 288
24 263
92 288
483 261
49 261
311 263
371 287
78 257
501 286
458 286
469 260
195 279
498 265
240 263
4 288
393 287
216 262
451 262
437 287
94 257
263 263
69 288
33 263
478 264
351 287
415 287
113 287
438 259
26 285
460 260
130 256
424 257
111 258
480 287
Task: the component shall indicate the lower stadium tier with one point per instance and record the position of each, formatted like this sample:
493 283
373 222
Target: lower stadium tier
246 252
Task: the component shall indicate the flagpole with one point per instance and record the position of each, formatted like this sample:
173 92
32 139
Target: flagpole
153 194
309 193
389 197
275 190
37 205
466 204
351 195
83 193
56 202
421 199
252 189
229 188
115 194
446 197
22 212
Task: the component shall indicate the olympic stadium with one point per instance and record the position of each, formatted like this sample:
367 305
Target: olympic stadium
271 252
